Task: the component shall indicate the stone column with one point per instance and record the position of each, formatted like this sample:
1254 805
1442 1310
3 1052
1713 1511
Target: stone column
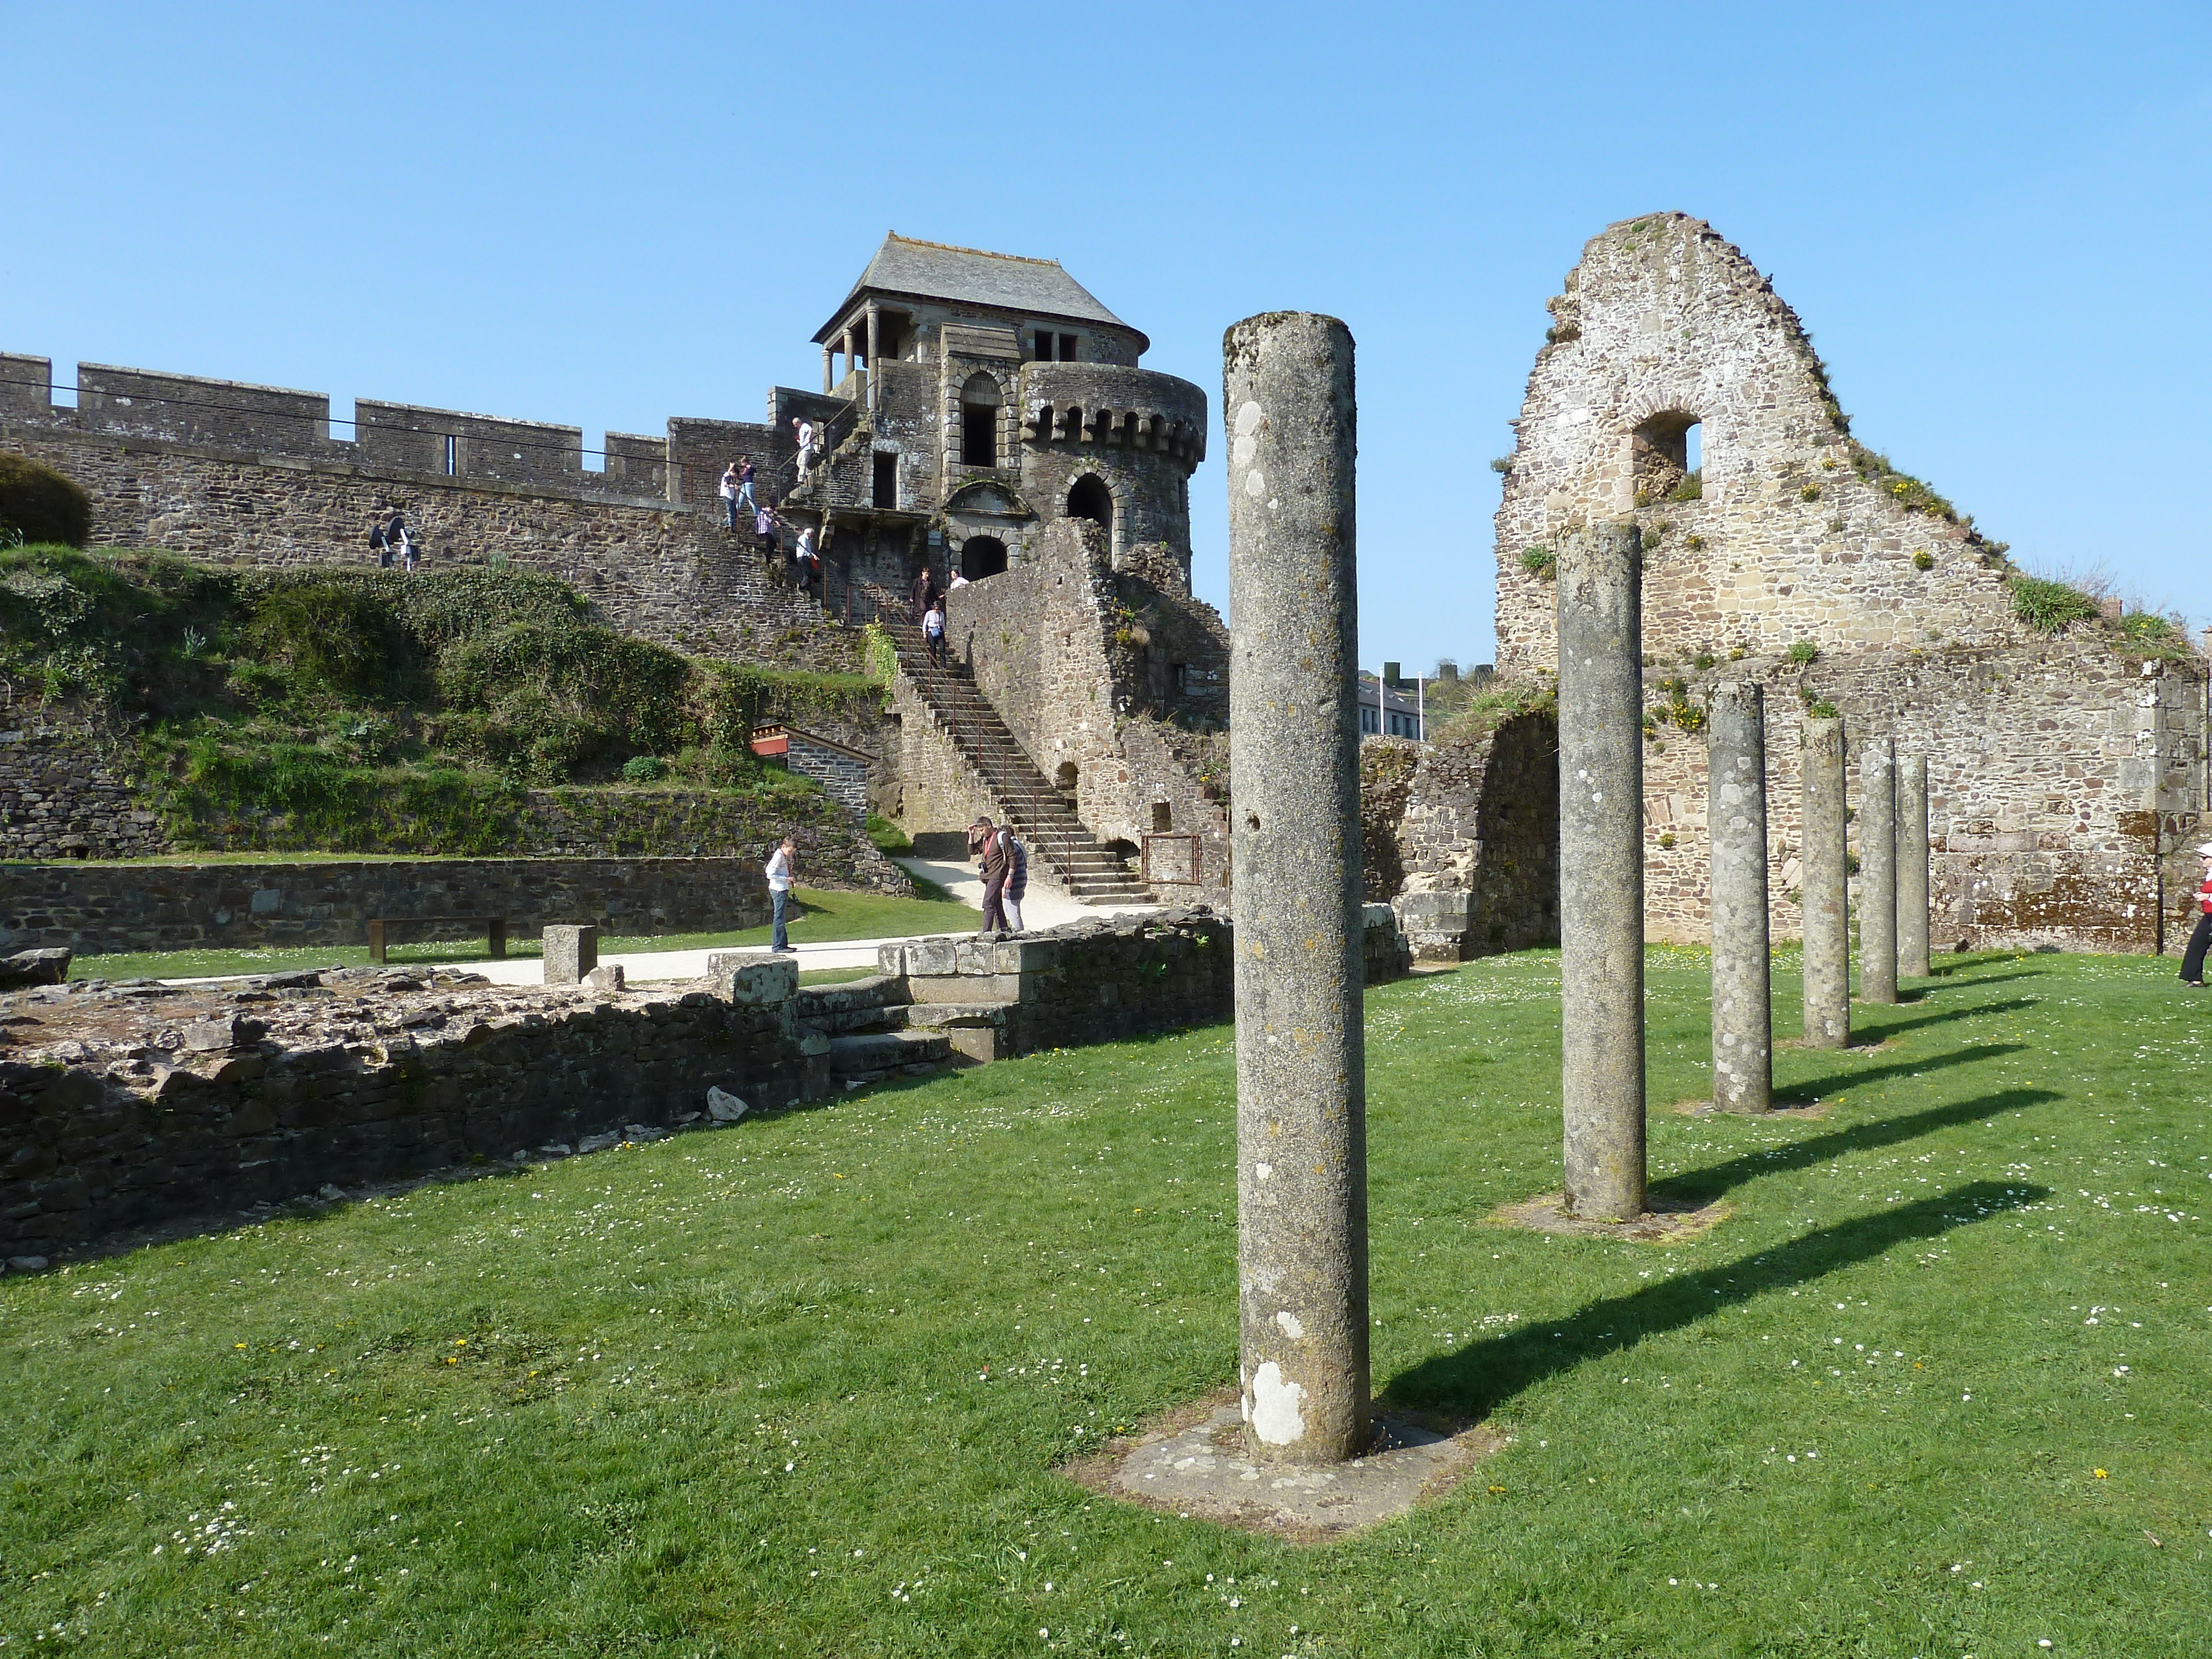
828 384
1736 815
1825 877
873 341
1912 866
1300 1060
1601 634
1878 871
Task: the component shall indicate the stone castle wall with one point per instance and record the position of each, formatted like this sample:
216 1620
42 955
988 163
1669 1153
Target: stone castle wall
241 474
66 792
97 909
2044 752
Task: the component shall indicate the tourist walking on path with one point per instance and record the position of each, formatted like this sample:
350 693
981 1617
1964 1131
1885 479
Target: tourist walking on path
745 484
779 891
1018 878
920 592
805 563
2192 963
995 871
805 428
379 543
932 634
729 493
764 529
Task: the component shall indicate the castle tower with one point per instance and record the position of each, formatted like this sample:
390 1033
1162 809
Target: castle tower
971 399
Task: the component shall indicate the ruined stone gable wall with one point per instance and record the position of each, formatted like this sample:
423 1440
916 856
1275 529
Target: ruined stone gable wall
1662 321
2044 753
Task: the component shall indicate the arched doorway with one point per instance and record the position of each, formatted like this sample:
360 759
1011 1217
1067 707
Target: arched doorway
1065 779
981 556
979 421
1091 499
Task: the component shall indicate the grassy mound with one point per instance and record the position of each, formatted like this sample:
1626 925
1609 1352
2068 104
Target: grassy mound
803 1385
366 710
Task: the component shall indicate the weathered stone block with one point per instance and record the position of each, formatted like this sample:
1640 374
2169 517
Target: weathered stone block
571 952
751 979
933 955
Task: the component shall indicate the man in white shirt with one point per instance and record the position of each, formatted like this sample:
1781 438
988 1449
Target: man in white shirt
779 889
806 430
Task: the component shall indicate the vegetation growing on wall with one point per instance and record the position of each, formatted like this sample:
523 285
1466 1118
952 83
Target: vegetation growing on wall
371 710
2050 606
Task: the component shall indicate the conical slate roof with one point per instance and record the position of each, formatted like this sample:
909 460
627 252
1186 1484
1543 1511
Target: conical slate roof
906 269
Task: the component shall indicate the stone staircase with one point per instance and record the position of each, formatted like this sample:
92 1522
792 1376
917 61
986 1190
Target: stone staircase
1040 814
874 1032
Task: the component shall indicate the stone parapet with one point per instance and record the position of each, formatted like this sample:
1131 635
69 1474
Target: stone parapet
340 1080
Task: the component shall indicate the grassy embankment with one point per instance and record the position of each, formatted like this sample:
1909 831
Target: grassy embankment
355 710
802 1386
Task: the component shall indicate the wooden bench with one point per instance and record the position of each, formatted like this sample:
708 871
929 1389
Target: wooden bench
494 926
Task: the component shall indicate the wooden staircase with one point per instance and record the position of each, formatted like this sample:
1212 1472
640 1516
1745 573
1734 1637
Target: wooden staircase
1040 814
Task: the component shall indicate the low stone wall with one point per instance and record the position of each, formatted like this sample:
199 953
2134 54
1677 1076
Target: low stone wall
1479 838
98 908
1095 982
368 1077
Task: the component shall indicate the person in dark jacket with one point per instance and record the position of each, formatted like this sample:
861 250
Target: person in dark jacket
917 595
2192 963
996 868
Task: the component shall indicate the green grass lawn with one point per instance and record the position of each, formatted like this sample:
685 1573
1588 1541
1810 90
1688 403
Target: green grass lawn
801 1386
828 916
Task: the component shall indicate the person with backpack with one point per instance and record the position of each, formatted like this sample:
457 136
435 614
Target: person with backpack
1018 878
932 633
2192 961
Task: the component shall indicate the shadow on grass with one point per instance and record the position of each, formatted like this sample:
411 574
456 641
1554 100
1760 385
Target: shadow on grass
1805 1093
1981 981
1700 1186
1890 1028
1478 1379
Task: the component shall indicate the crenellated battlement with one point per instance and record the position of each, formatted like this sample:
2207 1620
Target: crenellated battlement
1106 403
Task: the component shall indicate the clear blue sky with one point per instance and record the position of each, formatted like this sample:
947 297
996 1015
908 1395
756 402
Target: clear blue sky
1994 219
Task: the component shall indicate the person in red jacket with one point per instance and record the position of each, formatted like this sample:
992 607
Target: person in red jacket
2192 964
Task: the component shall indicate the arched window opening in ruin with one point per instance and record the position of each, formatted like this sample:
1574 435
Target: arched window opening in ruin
1065 779
981 556
1668 456
1091 499
979 422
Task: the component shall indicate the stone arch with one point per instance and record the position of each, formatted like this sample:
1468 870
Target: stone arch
1089 497
1065 779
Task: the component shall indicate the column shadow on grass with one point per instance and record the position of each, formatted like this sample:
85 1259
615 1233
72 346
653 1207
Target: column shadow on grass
1879 1029
1805 1093
1475 1381
1698 1187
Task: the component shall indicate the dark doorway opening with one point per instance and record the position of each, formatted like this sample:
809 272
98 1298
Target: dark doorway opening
979 422
1091 499
886 494
981 556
